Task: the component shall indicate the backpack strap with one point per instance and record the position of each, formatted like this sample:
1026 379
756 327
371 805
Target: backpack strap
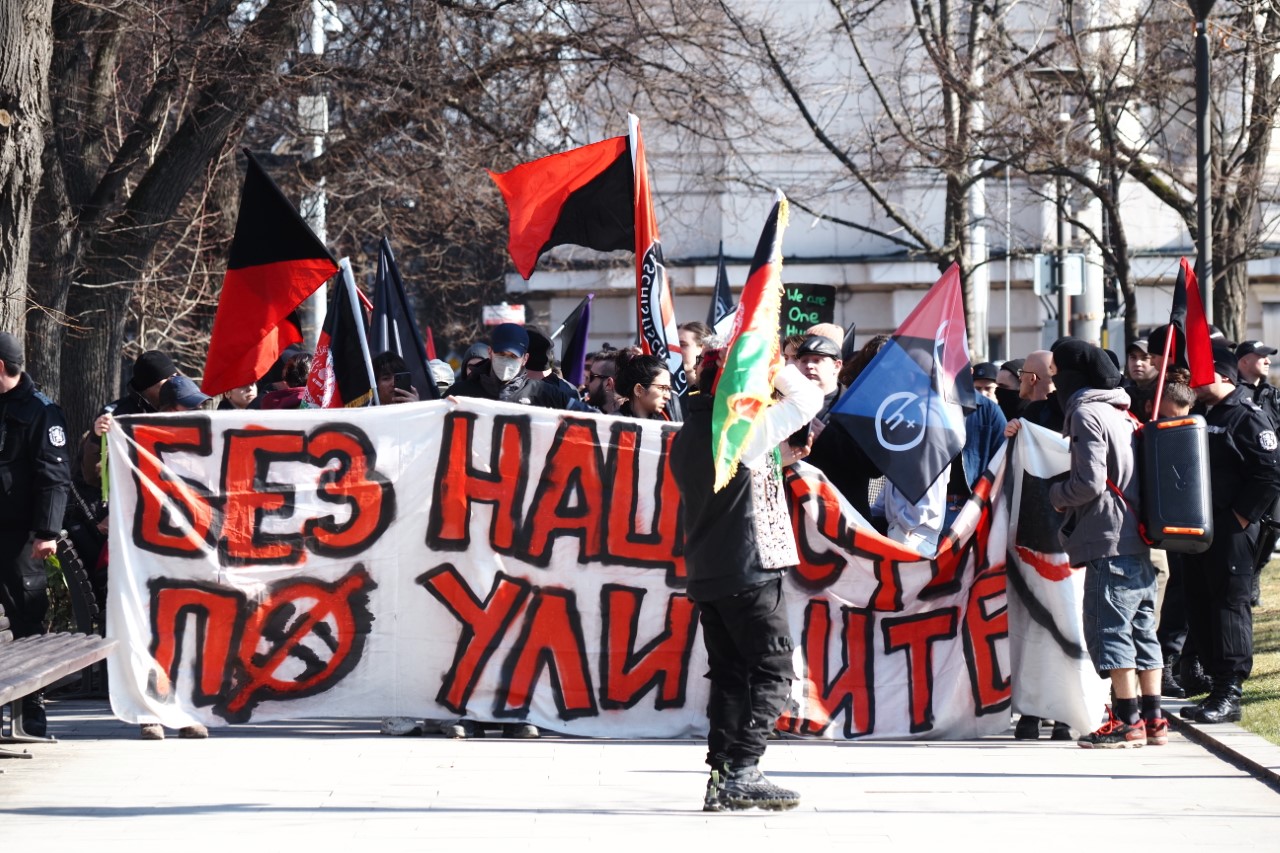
1142 527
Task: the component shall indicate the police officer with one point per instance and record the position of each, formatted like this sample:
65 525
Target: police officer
1244 472
1254 364
36 472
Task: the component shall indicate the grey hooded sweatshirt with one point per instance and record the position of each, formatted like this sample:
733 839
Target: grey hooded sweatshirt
1098 524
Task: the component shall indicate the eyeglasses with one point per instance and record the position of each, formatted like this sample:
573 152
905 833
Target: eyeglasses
592 377
1031 373
665 389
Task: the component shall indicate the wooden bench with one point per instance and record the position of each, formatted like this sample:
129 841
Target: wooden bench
33 663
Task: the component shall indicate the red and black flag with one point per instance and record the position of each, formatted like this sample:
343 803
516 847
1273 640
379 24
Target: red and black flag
276 263
1195 350
907 408
655 312
394 328
341 369
581 197
597 196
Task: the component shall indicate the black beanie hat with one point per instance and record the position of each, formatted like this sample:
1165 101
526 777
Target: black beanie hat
1091 362
540 350
151 367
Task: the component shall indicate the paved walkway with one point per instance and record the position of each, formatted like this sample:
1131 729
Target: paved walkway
328 785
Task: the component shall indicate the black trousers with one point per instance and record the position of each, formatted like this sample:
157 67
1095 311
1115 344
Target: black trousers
1172 632
749 650
23 585
1218 584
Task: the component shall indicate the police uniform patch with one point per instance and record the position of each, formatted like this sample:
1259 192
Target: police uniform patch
1267 440
58 436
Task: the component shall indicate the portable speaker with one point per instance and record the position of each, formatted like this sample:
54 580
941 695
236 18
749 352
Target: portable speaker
1177 504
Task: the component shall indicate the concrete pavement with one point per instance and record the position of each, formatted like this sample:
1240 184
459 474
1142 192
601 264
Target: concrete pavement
337 784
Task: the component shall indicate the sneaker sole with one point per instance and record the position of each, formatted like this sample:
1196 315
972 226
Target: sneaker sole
1126 744
767 805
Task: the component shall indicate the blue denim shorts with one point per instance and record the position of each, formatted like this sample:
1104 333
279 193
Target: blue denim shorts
1120 613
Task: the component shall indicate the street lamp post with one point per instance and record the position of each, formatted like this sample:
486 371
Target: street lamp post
1204 213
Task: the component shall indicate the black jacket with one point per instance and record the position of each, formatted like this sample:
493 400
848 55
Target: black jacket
530 392
1244 463
35 469
720 549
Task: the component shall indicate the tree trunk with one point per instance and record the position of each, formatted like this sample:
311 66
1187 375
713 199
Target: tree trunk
26 46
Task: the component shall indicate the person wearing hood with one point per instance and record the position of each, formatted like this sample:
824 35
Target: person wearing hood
476 354
1099 501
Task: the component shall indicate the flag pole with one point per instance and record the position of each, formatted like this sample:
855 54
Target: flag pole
350 281
1164 366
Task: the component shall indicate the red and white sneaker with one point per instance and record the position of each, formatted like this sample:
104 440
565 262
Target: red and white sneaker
1115 734
1157 732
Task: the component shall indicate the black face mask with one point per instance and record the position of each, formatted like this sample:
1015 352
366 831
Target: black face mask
1068 382
1010 403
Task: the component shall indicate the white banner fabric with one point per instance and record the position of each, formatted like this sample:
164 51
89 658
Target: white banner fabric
502 563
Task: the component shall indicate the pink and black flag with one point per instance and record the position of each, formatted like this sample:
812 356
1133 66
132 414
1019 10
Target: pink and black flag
907 408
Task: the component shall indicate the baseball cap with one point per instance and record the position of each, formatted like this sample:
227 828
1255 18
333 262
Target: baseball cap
182 391
1254 348
1138 344
508 337
818 345
986 370
10 349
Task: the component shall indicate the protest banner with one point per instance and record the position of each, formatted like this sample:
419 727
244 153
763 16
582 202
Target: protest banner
479 559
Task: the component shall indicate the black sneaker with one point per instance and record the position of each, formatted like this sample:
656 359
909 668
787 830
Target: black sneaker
1028 728
747 787
711 800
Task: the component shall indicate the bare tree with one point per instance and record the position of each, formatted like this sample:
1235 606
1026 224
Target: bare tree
26 47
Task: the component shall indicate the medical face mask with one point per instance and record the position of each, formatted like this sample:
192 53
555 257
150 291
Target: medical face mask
506 369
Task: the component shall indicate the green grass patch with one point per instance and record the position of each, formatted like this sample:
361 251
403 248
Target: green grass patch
1261 705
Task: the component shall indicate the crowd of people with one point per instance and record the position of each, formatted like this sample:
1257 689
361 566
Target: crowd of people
1157 624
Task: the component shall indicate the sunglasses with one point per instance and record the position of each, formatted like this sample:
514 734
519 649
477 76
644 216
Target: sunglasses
1031 373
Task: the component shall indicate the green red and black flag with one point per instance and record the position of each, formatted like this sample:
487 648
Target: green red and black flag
276 263
907 408
744 386
341 369
581 197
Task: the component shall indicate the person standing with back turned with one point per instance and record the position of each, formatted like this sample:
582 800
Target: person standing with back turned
738 542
